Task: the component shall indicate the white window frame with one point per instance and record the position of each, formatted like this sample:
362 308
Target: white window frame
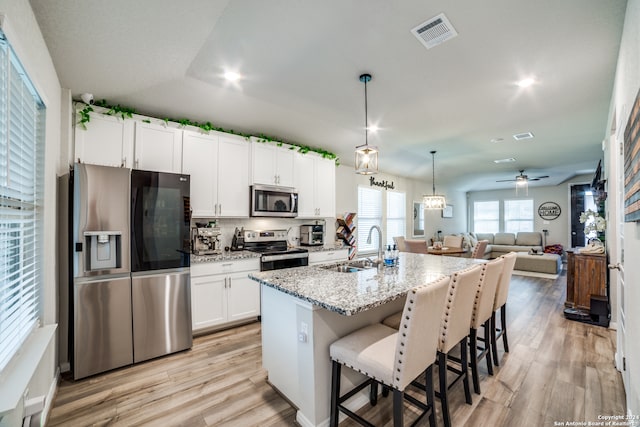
524 222
369 214
477 223
22 118
396 215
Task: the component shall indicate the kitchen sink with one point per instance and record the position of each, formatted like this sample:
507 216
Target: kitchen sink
351 266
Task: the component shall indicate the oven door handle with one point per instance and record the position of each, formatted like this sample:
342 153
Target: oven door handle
268 258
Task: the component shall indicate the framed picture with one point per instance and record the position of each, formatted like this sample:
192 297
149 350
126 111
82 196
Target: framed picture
418 219
447 212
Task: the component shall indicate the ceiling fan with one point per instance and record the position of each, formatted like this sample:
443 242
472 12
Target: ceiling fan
522 178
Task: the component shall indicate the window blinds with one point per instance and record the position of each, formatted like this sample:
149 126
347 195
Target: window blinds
21 193
369 214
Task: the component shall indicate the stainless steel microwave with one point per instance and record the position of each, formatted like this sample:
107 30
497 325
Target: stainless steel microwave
274 201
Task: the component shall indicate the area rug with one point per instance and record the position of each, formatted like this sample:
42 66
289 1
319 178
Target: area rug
535 274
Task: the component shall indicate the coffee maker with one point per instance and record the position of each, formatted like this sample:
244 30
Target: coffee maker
205 240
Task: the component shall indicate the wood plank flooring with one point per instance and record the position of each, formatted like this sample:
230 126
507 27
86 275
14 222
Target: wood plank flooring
556 370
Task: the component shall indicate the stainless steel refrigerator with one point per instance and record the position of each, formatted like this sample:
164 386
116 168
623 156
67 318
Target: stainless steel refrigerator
115 319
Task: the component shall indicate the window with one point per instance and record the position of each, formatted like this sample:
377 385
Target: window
396 215
486 217
369 214
518 215
21 193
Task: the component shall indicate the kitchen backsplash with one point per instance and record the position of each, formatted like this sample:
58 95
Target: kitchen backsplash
228 225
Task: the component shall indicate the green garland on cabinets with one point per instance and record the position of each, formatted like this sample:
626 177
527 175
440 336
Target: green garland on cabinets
127 113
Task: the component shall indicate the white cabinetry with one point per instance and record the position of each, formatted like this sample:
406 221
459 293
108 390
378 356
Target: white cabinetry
316 185
272 165
158 148
219 169
221 292
107 140
323 257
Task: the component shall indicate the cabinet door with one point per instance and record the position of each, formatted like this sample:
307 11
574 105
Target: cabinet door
263 158
158 148
106 141
305 184
199 159
208 301
233 176
243 297
325 187
285 166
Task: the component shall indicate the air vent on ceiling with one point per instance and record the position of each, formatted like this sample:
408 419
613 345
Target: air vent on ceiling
521 136
434 31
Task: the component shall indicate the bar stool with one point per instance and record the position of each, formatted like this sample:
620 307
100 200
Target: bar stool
454 330
392 357
481 316
501 303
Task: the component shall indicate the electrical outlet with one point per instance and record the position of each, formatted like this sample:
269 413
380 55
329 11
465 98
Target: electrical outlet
302 337
304 328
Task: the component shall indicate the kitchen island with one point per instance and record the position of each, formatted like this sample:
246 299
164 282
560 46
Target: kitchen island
305 309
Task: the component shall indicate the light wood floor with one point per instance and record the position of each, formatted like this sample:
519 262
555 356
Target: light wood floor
556 370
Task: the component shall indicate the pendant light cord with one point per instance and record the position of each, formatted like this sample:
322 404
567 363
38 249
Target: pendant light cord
366 121
433 172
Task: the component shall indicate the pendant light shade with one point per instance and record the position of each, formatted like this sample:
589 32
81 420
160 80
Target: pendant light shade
366 162
434 201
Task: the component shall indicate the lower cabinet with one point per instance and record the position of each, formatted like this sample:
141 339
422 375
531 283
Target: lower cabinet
221 292
323 257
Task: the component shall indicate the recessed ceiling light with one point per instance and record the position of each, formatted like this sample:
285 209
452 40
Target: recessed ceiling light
526 82
232 76
373 128
509 160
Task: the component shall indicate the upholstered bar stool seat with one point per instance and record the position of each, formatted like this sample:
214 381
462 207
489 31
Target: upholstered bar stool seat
481 316
392 357
453 331
500 303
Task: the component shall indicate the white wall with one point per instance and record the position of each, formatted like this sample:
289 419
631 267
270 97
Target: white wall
23 33
559 229
627 84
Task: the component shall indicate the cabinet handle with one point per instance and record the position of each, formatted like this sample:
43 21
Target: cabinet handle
227 264
615 266
229 282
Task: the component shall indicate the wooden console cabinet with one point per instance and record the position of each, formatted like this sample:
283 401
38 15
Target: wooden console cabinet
586 276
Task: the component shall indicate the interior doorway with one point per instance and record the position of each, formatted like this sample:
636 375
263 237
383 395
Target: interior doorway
581 200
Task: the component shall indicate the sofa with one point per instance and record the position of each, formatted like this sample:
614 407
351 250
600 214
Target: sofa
502 243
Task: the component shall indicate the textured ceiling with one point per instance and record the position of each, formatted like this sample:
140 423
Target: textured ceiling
300 62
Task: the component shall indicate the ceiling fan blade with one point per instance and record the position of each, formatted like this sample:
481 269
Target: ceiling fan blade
543 176
506 180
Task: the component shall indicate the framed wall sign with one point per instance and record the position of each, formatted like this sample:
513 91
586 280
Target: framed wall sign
549 210
447 212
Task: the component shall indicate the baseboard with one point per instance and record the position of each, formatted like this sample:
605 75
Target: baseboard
48 402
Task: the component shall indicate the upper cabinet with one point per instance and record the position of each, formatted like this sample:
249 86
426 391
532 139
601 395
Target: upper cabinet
157 148
272 165
107 141
219 167
315 180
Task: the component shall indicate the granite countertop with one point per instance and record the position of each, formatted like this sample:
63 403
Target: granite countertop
352 293
224 256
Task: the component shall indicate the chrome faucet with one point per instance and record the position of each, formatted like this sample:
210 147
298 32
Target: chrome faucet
379 260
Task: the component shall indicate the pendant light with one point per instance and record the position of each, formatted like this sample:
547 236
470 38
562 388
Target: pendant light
434 201
366 155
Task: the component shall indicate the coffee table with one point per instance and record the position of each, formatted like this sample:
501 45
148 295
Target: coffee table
446 251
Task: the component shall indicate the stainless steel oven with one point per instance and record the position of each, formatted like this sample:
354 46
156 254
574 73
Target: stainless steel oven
274 250
274 201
